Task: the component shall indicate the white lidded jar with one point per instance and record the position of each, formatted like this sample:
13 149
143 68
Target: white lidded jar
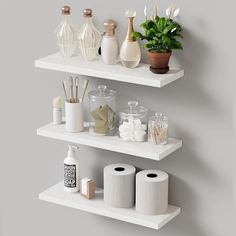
71 171
130 53
109 45
89 37
66 34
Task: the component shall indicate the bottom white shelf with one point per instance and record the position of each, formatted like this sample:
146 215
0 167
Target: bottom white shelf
56 195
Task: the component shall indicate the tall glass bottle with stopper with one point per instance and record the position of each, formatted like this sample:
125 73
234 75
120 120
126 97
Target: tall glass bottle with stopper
89 37
109 46
66 34
130 53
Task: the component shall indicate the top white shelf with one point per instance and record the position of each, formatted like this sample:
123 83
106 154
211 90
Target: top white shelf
140 75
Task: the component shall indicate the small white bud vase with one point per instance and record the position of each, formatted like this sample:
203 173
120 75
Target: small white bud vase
130 53
109 46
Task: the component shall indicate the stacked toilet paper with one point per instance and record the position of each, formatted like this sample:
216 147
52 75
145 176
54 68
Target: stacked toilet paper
119 184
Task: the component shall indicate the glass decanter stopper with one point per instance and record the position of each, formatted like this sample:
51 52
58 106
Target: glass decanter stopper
130 53
109 46
89 37
66 34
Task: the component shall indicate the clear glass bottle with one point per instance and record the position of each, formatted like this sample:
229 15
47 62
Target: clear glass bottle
66 34
158 129
89 37
130 53
133 123
109 45
102 104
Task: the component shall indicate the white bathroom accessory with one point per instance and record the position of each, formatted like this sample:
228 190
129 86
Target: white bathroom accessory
109 45
151 192
119 184
57 111
71 171
74 117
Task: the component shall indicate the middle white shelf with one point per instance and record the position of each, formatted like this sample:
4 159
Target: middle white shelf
111 143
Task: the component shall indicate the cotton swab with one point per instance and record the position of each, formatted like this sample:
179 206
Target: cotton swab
85 85
64 88
71 89
76 89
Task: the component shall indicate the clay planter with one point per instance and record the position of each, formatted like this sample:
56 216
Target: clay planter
159 61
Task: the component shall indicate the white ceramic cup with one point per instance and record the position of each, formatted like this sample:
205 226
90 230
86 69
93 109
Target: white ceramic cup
74 117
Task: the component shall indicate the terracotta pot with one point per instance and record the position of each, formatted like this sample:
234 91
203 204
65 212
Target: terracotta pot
159 61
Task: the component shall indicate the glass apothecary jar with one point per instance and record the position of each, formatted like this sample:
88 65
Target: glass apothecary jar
102 102
133 123
158 129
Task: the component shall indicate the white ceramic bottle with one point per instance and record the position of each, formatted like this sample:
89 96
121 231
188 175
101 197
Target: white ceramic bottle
130 53
109 46
71 171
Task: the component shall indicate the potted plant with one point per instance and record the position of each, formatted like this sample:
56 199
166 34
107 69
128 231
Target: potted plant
162 35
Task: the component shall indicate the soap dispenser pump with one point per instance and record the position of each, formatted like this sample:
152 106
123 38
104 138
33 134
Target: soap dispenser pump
71 171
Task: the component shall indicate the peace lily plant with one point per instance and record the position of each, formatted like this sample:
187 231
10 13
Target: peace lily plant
162 35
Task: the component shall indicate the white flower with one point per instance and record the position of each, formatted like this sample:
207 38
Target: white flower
155 9
172 12
145 12
176 12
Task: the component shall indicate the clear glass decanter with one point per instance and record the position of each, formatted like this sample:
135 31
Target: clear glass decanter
130 53
66 34
89 37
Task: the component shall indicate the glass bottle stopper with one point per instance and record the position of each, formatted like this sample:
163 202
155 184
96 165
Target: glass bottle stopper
88 12
65 10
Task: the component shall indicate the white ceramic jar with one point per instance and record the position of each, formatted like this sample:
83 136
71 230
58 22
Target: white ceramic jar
109 46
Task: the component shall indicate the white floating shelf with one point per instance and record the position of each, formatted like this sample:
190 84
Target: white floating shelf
140 75
57 195
111 143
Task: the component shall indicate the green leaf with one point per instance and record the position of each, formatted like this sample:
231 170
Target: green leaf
138 35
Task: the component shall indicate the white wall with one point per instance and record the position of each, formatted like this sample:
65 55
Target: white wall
200 108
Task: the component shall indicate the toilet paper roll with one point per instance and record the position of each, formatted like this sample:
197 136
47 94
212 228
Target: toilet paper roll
119 184
151 192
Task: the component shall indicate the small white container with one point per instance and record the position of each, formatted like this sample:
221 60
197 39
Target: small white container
57 116
109 46
74 117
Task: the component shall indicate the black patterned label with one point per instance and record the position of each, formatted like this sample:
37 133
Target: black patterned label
69 176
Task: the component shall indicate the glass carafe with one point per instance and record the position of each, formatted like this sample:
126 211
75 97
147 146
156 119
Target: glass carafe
66 34
133 123
89 37
102 103
130 53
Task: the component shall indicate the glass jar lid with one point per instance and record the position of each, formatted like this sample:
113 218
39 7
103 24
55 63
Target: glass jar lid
133 110
102 93
159 119
158 116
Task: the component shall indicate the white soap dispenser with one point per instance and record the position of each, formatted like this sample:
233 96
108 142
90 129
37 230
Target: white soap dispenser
71 171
